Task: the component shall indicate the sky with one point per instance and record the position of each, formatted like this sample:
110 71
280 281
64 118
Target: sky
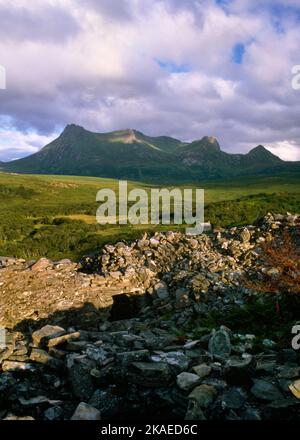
182 68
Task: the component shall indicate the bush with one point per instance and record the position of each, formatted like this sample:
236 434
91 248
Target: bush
282 260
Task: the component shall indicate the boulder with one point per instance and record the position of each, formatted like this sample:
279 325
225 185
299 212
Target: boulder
150 374
238 371
86 412
204 395
107 402
219 345
234 398
265 390
40 337
187 381
202 370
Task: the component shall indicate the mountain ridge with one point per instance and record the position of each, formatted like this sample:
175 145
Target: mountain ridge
130 154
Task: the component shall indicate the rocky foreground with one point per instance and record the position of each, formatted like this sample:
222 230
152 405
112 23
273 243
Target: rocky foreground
121 335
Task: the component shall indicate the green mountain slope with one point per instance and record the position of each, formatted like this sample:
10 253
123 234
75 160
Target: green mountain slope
205 157
129 154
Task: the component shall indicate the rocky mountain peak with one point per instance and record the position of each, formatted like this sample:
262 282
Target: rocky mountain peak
130 136
211 140
208 143
261 152
72 128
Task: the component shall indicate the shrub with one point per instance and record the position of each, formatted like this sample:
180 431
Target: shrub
281 260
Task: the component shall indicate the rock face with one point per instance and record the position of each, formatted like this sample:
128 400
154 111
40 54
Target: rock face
122 333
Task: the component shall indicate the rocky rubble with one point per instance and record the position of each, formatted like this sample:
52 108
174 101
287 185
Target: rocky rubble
119 335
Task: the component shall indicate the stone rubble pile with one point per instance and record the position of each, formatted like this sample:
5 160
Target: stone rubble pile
113 337
130 370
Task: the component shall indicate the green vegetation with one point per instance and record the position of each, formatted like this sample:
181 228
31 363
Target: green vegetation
54 216
260 317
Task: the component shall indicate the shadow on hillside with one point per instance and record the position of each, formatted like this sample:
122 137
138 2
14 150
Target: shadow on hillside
112 384
88 316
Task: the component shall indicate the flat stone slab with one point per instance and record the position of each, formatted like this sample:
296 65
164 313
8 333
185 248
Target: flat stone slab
47 332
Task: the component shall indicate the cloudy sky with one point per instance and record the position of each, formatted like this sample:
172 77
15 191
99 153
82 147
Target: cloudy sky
184 68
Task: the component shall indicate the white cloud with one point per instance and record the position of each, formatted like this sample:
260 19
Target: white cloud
286 150
14 144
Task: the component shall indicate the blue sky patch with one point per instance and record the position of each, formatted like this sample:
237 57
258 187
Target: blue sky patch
172 67
238 53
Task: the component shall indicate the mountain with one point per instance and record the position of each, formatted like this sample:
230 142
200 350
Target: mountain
206 157
129 154
120 154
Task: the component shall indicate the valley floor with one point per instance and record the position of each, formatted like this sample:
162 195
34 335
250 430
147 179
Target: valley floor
55 216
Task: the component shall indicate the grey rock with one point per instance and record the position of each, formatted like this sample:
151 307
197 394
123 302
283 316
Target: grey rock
238 371
150 374
81 382
161 290
284 403
204 395
251 414
266 366
107 402
219 384
219 344
7 383
268 343
202 370
53 413
37 400
187 381
191 344
234 398
86 412
97 354
126 358
194 411
289 371
176 359
266 391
